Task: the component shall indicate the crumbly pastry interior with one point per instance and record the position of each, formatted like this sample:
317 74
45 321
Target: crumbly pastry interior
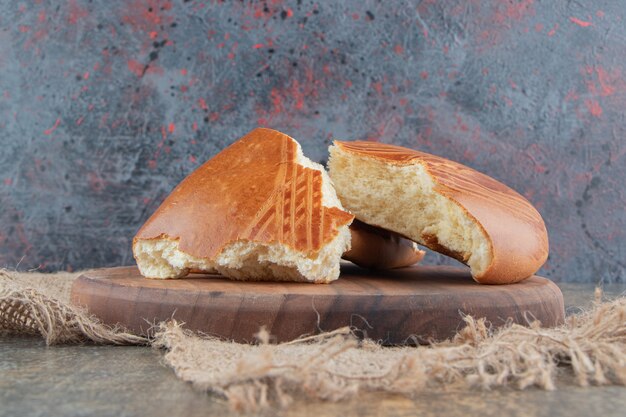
161 258
403 198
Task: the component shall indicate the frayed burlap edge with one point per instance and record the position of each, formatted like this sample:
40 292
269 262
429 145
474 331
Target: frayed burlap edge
25 309
336 365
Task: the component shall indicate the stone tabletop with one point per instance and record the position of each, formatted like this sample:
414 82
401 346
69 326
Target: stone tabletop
36 380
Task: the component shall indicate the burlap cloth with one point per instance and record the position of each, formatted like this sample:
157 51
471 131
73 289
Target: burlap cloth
591 346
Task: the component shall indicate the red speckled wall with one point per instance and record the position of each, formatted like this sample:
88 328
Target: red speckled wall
106 106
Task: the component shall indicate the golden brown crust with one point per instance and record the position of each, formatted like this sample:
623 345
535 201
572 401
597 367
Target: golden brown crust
254 190
377 248
517 233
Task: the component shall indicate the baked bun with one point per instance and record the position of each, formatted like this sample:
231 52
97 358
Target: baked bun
377 248
258 210
443 205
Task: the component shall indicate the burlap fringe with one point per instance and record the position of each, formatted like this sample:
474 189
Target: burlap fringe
591 346
334 366
27 310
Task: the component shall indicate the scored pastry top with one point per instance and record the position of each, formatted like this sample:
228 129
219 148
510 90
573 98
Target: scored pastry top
456 180
255 190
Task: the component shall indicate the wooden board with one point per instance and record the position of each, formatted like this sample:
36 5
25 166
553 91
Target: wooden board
400 306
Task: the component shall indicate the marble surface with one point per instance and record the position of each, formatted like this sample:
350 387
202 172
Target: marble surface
105 106
36 380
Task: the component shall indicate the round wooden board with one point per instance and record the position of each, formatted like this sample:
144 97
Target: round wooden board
408 305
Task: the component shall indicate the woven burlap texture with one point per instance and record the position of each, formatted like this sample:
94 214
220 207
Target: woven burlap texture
333 366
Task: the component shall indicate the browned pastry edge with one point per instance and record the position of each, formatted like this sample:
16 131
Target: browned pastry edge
377 248
516 231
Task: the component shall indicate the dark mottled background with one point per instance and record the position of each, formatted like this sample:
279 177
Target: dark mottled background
106 105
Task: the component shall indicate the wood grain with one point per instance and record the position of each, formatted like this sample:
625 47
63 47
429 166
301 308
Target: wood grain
412 304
